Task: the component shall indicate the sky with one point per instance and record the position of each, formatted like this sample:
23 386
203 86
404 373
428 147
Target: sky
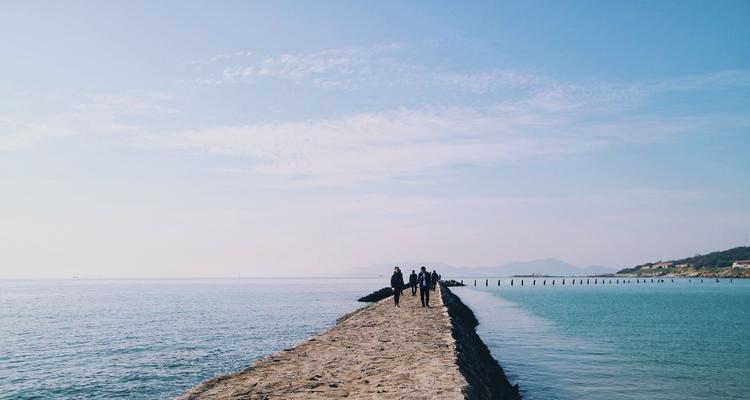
241 139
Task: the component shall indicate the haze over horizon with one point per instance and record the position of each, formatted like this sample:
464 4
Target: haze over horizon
193 139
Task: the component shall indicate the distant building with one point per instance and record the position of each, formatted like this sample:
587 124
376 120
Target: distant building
683 265
662 265
741 264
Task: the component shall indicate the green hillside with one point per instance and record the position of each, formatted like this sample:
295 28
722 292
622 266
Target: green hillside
718 258
717 263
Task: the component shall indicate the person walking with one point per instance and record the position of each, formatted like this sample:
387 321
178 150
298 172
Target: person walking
424 287
413 283
434 279
397 284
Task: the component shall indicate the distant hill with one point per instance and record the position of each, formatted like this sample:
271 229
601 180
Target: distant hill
718 263
545 267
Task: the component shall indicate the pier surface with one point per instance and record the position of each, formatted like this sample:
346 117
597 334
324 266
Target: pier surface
377 352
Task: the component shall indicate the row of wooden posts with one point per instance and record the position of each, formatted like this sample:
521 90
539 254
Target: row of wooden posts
596 281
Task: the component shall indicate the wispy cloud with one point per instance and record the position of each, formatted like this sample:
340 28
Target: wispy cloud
424 142
546 118
77 115
484 81
338 66
353 66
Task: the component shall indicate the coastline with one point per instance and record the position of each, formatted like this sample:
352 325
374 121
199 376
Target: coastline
377 351
724 273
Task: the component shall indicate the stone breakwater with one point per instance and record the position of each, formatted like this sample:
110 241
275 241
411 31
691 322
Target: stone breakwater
377 352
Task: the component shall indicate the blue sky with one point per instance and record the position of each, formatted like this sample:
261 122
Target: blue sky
308 138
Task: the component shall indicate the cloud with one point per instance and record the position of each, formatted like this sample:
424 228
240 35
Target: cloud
361 147
483 81
322 68
424 142
354 66
546 119
78 115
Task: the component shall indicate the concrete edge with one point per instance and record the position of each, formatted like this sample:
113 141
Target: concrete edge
484 375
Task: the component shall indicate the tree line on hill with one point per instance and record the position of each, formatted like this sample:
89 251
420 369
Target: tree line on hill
716 259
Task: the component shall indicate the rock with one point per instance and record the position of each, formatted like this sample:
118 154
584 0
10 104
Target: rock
377 295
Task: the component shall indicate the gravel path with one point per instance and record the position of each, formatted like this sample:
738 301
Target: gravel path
378 352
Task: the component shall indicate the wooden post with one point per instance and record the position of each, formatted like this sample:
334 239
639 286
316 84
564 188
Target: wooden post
475 282
486 282
511 282
521 282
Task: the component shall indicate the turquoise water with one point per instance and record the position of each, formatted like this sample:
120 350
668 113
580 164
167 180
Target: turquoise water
153 339
681 340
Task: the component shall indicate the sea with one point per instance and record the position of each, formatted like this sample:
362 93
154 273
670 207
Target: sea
154 339
677 339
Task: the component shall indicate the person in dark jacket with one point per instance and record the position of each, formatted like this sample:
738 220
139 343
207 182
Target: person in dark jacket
413 283
424 287
397 284
434 279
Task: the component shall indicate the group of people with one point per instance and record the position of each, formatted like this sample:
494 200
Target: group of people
425 281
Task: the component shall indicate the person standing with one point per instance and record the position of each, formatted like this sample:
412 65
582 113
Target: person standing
434 279
424 287
413 283
397 284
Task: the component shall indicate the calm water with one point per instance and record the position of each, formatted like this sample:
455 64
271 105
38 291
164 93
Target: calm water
640 341
153 339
